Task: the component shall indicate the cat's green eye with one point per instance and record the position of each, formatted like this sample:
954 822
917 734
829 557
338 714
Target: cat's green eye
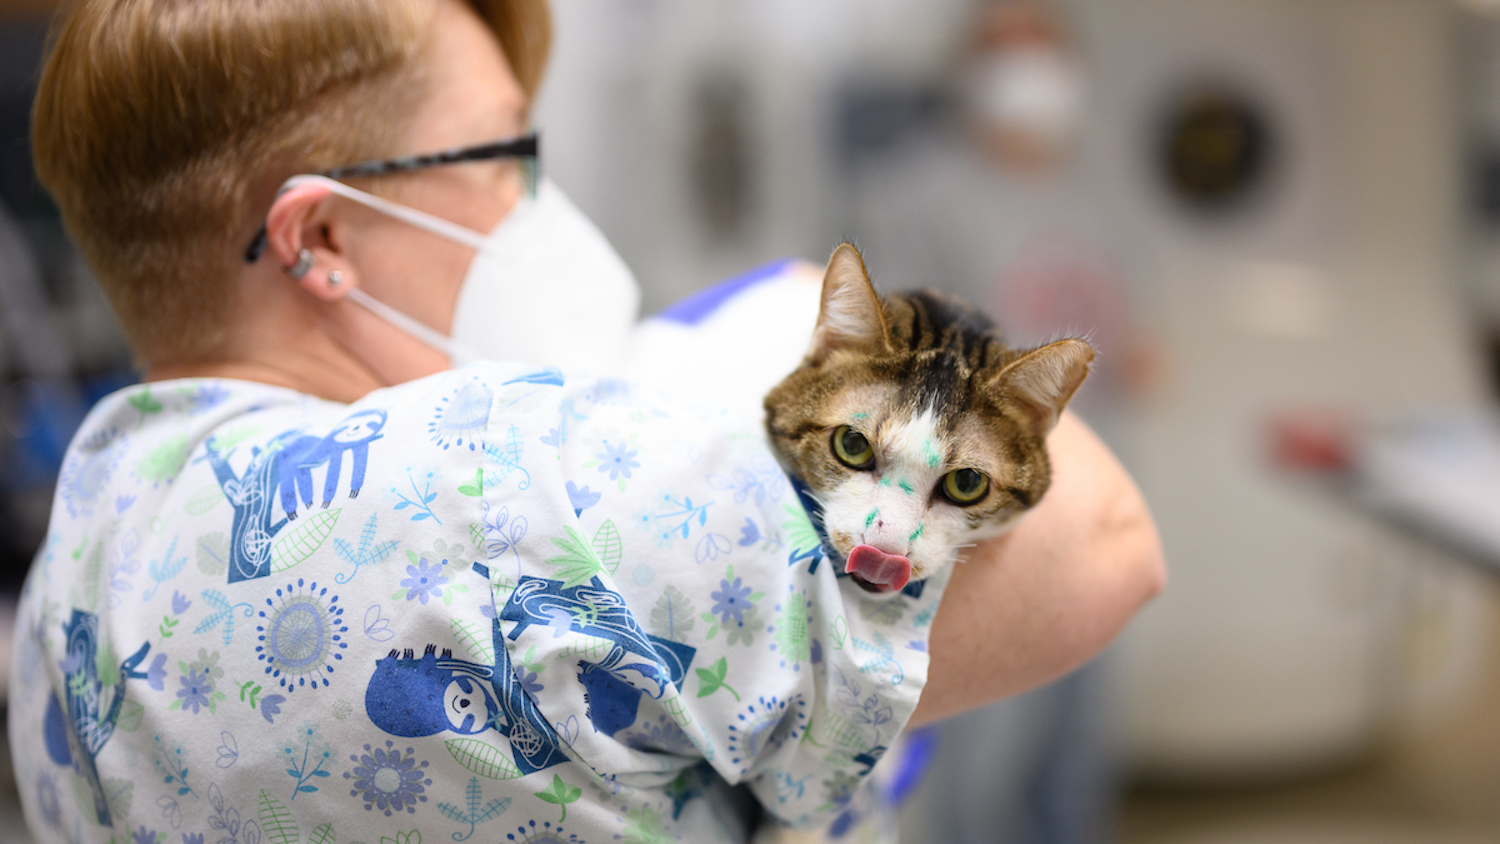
852 449
965 486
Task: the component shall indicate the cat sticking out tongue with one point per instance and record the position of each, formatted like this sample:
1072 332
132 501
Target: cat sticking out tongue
883 572
914 429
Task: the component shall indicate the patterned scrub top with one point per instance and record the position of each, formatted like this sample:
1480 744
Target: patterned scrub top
495 603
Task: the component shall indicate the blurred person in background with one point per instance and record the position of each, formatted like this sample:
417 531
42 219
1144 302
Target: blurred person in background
1004 211
310 581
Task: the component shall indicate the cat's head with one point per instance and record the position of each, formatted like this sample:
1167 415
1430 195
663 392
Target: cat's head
916 430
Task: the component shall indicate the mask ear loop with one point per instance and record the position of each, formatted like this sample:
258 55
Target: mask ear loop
420 219
458 353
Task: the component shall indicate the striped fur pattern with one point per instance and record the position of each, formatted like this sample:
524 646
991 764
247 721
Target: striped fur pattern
927 381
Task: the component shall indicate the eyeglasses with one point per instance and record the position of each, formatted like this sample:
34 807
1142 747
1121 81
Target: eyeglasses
522 148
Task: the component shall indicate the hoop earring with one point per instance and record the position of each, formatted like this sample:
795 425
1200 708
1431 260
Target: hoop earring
304 263
335 278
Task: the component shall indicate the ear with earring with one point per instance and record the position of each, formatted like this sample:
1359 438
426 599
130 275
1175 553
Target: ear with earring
299 270
304 263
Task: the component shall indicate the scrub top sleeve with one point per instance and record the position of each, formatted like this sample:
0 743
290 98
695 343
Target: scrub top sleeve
758 658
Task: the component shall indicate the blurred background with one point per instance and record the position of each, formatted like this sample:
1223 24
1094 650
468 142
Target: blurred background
1279 221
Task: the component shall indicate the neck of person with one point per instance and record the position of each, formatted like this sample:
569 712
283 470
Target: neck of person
334 350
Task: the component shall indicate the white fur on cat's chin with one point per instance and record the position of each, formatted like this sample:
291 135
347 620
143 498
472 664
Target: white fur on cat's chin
846 507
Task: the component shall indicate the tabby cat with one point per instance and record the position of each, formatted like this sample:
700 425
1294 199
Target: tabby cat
913 427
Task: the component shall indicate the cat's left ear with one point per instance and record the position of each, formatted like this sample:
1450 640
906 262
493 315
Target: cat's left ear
1043 380
850 317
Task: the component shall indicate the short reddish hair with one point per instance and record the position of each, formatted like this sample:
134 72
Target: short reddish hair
162 127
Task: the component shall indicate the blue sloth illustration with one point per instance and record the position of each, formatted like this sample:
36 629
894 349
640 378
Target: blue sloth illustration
306 453
286 464
411 697
76 730
637 663
250 496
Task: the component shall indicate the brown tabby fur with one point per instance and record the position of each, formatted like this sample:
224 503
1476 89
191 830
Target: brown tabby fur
937 355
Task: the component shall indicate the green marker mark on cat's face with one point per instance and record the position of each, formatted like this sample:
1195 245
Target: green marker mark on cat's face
885 481
929 448
907 487
870 519
916 533
861 415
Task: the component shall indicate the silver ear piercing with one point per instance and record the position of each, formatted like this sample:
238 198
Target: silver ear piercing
304 263
335 278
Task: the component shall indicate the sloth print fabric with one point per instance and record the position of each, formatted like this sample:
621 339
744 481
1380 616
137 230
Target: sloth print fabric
495 604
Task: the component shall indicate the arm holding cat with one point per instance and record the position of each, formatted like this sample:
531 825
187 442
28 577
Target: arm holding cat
1041 600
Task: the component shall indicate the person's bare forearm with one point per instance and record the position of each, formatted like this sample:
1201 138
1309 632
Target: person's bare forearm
1038 602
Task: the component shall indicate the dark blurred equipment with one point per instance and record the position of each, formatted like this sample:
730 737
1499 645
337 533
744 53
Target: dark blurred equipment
722 176
1215 148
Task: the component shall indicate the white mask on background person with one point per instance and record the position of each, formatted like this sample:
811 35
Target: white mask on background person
1038 91
544 286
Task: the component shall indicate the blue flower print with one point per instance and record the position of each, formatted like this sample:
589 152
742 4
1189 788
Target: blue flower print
180 603
270 707
208 396
143 836
528 682
388 780
582 499
301 636
156 673
196 687
731 599
423 580
617 460
192 838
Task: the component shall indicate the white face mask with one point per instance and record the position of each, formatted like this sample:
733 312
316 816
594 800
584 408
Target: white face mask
1038 91
544 285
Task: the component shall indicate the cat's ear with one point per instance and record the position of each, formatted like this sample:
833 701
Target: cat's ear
1043 380
850 317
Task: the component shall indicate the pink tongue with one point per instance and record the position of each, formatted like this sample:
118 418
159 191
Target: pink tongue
887 571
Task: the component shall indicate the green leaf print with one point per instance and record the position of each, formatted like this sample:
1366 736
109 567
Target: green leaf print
131 714
322 835
560 794
710 680
107 665
881 612
577 564
475 487
304 540
143 402
608 546
206 498
800 533
672 617
163 462
644 826
474 639
483 759
249 692
276 821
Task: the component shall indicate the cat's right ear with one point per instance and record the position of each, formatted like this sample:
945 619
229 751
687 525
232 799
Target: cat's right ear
1042 380
850 317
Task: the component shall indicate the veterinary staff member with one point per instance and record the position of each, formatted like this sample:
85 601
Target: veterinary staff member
308 583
